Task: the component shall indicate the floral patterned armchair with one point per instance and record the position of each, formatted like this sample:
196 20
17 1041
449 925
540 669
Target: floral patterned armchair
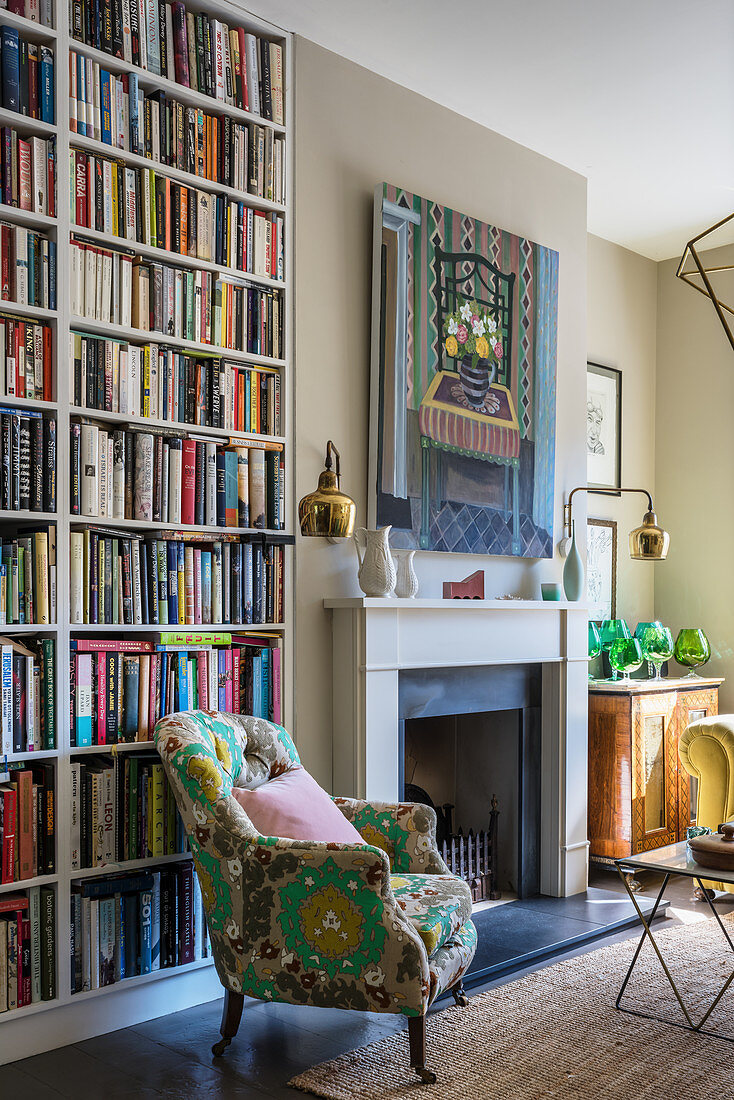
380 927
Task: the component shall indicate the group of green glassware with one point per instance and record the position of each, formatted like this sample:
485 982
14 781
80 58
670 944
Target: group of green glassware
651 642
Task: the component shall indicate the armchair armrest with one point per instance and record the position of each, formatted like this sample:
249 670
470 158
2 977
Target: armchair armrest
405 830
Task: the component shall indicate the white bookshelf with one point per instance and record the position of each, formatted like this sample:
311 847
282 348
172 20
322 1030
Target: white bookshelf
70 1018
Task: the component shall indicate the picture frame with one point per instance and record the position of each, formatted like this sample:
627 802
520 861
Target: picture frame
604 428
601 568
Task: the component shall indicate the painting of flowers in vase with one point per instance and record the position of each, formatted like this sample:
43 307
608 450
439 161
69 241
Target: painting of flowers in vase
462 442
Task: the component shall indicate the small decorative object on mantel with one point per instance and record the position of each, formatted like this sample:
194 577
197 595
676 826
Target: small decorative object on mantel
406 585
376 573
471 588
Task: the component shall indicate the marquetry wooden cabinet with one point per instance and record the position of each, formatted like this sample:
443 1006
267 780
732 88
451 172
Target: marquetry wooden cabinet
640 796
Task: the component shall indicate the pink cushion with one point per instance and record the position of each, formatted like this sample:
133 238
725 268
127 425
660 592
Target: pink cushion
293 805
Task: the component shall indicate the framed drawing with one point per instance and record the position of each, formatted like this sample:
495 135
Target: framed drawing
603 427
463 395
601 568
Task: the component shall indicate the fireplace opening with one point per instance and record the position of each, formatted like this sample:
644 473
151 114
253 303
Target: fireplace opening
481 743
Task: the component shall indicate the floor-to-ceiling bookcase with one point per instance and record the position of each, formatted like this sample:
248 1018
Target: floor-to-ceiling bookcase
65 1018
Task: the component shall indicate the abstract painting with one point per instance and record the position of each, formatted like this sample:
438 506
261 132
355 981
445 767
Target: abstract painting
462 448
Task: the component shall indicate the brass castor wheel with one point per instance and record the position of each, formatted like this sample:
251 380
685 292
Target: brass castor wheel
702 893
219 1048
427 1076
460 995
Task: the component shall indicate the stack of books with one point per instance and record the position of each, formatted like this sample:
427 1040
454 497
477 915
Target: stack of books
126 925
190 48
121 687
27 76
115 110
28 460
117 287
122 808
39 11
27 821
28 684
27 267
158 382
160 478
27 948
26 359
28 172
119 577
28 577
139 204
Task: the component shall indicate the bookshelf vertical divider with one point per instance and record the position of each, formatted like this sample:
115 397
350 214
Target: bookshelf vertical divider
69 1018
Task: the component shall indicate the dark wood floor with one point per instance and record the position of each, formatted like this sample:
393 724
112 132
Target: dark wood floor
170 1057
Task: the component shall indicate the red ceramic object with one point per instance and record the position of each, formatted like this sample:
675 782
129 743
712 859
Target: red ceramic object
471 588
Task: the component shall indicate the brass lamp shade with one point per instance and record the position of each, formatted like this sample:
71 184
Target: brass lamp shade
649 542
328 512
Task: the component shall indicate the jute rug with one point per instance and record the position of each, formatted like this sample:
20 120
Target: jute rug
556 1033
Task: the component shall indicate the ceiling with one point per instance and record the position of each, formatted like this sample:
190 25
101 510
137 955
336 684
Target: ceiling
636 95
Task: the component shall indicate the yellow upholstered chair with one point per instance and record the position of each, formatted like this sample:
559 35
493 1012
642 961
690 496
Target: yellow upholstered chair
706 750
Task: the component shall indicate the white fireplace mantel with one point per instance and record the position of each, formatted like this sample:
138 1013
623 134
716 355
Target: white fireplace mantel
374 639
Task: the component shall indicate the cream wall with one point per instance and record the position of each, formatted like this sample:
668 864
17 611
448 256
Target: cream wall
621 333
694 466
353 130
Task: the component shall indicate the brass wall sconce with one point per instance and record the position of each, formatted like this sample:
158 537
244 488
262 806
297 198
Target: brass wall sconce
328 512
702 273
648 542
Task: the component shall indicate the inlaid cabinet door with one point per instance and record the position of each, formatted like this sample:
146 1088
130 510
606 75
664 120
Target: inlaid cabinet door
654 771
692 706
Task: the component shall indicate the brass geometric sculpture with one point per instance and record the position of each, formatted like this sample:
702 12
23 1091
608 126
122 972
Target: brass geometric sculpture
703 273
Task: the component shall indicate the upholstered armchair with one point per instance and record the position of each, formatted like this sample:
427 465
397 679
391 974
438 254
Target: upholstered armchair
380 926
706 751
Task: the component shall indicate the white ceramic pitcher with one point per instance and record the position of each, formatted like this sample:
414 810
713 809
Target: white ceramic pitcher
376 566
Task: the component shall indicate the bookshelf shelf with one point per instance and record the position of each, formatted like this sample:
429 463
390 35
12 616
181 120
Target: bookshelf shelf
74 1017
27 883
148 336
201 183
150 82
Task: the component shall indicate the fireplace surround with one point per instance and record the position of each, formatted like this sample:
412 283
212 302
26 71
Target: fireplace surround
386 654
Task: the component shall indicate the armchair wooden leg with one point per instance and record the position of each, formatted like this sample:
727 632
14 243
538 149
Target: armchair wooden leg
460 994
231 1016
417 1040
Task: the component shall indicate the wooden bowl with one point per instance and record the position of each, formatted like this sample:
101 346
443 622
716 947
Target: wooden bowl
716 851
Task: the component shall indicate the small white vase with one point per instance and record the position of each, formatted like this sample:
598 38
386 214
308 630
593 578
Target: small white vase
376 567
406 585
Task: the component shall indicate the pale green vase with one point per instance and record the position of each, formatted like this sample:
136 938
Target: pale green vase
573 570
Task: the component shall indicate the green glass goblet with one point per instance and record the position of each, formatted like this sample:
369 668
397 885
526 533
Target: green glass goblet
594 642
625 656
692 650
656 643
639 633
611 631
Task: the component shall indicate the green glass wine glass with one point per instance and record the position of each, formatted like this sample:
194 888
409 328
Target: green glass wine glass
639 634
625 656
692 649
594 642
656 643
611 631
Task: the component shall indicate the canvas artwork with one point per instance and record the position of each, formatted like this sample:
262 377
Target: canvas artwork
601 568
464 382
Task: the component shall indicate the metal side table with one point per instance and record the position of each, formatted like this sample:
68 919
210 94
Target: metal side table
675 859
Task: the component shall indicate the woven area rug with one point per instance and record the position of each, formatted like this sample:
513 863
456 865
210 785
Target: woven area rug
556 1033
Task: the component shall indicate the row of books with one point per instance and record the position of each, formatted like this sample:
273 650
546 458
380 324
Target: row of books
26 359
27 267
158 478
114 109
28 172
27 76
27 822
28 460
139 204
28 577
38 11
27 948
118 288
163 384
122 699
190 48
122 808
121 578
125 925
28 685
